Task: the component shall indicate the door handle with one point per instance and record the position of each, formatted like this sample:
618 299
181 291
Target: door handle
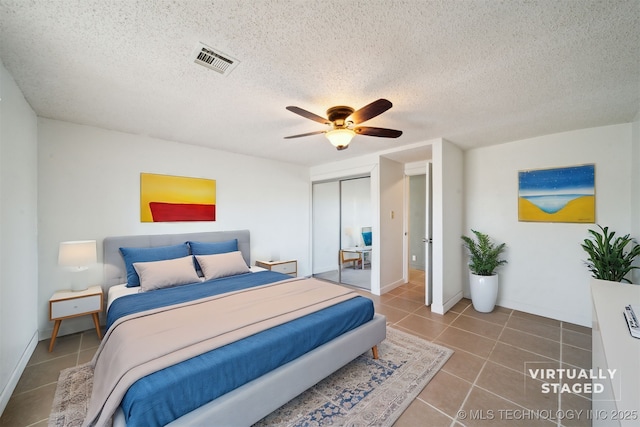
425 240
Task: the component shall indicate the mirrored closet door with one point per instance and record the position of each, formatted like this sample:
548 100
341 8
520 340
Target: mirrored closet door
342 232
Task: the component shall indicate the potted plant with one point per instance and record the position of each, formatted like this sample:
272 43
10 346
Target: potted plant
484 258
607 258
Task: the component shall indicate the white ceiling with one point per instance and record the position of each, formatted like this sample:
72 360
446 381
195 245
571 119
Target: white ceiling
474 72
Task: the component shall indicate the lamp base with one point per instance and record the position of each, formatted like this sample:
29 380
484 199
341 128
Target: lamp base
78 288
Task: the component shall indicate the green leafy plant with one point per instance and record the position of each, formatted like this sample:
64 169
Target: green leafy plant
607 258
484 255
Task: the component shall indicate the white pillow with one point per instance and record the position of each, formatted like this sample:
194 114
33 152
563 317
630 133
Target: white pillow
222 265
166 273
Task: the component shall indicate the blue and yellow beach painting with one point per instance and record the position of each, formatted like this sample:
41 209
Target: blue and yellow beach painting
557 195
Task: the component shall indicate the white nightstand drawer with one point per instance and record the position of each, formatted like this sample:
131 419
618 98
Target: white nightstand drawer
285 267
75 306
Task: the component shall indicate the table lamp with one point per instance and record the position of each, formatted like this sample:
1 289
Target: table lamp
77 256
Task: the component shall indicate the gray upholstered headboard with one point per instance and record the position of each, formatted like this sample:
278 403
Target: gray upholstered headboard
115 271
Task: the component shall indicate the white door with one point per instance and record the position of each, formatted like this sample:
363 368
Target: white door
420 229
428 240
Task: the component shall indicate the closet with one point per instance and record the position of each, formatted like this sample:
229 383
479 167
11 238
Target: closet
342 218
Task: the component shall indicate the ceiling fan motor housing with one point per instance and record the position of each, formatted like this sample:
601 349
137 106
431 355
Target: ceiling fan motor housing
339 114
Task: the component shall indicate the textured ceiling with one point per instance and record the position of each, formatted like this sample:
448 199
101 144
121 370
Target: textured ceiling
474 72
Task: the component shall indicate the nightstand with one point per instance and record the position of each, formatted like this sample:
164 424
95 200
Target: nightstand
287 267
68 304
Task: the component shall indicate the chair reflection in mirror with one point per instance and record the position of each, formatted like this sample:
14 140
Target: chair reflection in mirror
350 255
358 256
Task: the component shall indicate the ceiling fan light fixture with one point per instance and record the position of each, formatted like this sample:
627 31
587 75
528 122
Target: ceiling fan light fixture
342 120
340 138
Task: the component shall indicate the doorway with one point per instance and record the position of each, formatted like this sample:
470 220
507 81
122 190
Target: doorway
420 230
342 229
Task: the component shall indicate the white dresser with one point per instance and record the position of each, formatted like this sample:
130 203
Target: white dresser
615 348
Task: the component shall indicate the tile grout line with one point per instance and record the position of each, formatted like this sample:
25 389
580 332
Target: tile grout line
558 424
504 328
79 349
475 380
484 364
454 419
560 342
35 388
436 409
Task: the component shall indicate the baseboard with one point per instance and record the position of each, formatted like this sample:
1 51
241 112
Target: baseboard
544 312
561 316
7 391
447 305
391 286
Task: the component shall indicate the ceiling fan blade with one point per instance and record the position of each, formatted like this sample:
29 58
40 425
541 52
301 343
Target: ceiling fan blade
370 111
308 115
380 132
305 134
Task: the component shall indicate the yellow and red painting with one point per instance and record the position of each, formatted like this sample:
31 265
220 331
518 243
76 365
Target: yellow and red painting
166 198
557 195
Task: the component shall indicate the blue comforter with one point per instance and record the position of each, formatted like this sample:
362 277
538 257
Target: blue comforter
164 396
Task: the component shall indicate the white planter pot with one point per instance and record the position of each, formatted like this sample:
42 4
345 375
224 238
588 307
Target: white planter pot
484 292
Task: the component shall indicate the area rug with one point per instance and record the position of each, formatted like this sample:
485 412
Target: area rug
366 392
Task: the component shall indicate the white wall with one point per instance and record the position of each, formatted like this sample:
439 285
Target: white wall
448 199
545 273
392 239
89 189
18 234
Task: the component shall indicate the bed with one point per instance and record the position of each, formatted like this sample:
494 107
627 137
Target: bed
341 332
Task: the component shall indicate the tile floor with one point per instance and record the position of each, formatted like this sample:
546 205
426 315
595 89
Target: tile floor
483 383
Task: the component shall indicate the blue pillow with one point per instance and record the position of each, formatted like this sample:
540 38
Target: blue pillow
366 236
160 253
211 248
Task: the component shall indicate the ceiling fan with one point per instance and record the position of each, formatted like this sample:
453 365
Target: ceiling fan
342 120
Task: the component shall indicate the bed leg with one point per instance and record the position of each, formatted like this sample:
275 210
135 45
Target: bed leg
374 350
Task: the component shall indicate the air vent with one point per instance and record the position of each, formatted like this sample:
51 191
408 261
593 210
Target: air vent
214 59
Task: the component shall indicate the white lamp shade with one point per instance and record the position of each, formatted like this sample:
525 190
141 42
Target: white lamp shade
340 138
77 255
